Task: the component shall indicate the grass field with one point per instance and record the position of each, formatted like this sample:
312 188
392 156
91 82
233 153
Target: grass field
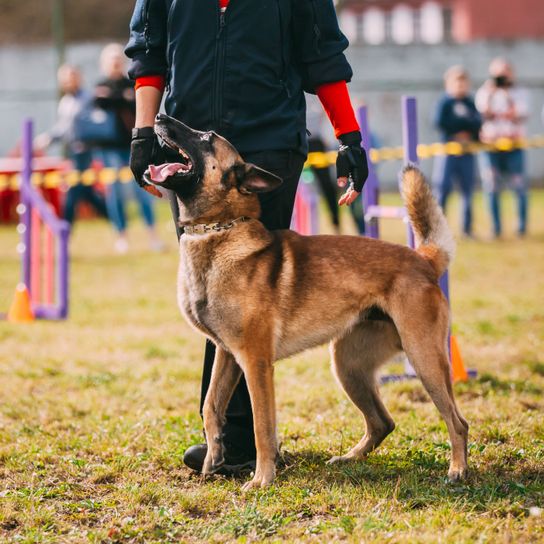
95 413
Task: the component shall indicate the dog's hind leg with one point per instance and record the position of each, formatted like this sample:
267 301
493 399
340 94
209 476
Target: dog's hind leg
355 360
425 346
225 376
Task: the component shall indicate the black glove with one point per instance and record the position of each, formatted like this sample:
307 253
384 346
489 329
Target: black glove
351 161
144 150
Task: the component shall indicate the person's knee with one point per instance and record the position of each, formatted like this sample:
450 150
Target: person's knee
518 183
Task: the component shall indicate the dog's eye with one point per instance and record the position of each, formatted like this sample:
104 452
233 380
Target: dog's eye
206 137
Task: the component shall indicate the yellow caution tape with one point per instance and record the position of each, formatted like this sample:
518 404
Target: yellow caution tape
318 159
427 151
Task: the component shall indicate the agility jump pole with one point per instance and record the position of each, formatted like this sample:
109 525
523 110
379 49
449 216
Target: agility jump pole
305 212
410 144
374 212
43 246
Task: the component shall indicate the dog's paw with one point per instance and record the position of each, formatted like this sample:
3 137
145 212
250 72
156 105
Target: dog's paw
259 480
457 474
339 459
211 465
255 483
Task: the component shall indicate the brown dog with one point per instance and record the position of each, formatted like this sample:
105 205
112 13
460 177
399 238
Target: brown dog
261 296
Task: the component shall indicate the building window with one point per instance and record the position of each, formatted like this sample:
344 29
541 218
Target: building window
402 25
432 23
374 26
447 14
417 25
350 23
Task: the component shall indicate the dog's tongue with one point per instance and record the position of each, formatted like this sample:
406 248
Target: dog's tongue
162 172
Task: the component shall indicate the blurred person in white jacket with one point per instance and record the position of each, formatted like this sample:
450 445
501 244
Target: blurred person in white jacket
504 108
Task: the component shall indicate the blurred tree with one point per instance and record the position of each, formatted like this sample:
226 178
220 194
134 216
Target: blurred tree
29 21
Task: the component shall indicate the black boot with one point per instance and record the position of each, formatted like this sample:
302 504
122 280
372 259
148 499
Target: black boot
236 460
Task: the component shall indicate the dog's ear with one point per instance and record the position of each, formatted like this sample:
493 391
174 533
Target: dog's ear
252 179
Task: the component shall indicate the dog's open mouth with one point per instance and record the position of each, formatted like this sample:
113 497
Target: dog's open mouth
160 174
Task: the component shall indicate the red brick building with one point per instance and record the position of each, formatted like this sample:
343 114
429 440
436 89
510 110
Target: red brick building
434 21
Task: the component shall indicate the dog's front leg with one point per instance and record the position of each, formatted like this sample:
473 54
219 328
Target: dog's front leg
225 376
259 374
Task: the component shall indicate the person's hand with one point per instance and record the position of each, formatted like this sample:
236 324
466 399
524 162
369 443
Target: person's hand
41 142
511 114
463 137
351 166
144 150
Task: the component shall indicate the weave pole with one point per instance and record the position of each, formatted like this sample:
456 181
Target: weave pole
410 146
410 142
371 189
374 212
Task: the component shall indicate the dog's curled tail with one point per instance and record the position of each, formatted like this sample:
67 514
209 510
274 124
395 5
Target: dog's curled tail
433 237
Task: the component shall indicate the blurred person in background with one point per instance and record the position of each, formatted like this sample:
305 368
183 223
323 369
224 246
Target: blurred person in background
318 142
321 138
115 93
458 120
504 108
74 100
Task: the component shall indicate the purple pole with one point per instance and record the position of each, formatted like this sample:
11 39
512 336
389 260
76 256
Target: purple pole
371 190
26 177
62 267
409 141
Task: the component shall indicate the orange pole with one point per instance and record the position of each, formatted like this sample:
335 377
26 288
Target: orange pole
35 256
49 268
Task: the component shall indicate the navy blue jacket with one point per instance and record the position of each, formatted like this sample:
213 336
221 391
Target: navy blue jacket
455 115
242 73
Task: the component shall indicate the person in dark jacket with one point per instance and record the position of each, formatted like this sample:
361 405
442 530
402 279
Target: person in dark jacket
115 92
458 120
74 100
239 68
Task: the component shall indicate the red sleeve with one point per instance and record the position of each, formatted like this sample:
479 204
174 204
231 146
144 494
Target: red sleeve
337 104
158 82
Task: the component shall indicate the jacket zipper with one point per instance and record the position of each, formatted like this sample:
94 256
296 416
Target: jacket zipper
168 60
218 72
283 75
317 31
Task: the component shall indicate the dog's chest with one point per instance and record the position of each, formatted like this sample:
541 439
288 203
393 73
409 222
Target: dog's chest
193 294
197 283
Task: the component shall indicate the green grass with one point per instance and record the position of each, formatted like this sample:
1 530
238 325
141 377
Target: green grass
95 413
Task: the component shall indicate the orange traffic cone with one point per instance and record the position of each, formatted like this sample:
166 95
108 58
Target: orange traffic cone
458 370
20 310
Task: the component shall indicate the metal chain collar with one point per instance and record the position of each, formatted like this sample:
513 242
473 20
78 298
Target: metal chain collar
212 227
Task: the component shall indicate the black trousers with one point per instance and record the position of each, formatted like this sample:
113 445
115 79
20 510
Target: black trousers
276 212
83 193
327 185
